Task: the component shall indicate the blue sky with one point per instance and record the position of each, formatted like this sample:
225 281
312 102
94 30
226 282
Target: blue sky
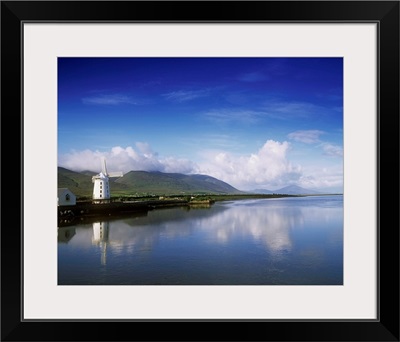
252 122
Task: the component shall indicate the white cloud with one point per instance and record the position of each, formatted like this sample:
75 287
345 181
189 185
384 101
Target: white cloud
174 165
226 115
81 160
145 149
333 150
330 178
125 160
267 168
114 99
288 110
307 137
185 95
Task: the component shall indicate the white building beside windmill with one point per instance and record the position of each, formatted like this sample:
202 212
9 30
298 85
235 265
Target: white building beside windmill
65 197
101 187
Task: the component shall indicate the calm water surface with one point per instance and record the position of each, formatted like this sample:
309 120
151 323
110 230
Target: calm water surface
286 241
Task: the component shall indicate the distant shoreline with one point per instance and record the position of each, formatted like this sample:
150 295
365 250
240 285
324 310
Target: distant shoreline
129 205
263 196
84 210
200 197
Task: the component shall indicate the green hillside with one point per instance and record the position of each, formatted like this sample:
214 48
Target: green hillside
81 184
174 183
139 183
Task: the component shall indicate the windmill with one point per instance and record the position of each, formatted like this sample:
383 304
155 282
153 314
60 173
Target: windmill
101 188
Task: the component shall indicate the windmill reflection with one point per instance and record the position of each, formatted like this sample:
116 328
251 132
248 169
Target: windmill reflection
100 238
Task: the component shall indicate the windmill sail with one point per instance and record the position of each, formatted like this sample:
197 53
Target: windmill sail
103 166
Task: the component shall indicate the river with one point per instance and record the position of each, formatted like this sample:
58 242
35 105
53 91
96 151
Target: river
284 241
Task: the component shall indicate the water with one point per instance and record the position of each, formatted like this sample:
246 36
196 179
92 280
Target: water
286 241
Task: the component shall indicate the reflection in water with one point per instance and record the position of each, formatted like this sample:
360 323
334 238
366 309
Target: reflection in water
65 234
291 241
100 238
269 226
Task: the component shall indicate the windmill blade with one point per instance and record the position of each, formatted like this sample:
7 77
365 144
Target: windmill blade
103 165
115 174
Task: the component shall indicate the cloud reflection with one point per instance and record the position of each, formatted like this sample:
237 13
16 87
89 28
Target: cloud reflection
268 226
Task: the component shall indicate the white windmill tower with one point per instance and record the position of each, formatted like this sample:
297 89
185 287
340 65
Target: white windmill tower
101 188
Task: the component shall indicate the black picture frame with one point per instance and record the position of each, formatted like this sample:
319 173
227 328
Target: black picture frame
385 328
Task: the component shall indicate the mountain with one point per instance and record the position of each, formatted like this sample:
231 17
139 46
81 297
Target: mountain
295 190
287 190
88 173
142 182
174 183
75 181
262 191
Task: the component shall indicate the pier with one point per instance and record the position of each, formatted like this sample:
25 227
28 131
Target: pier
87 210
